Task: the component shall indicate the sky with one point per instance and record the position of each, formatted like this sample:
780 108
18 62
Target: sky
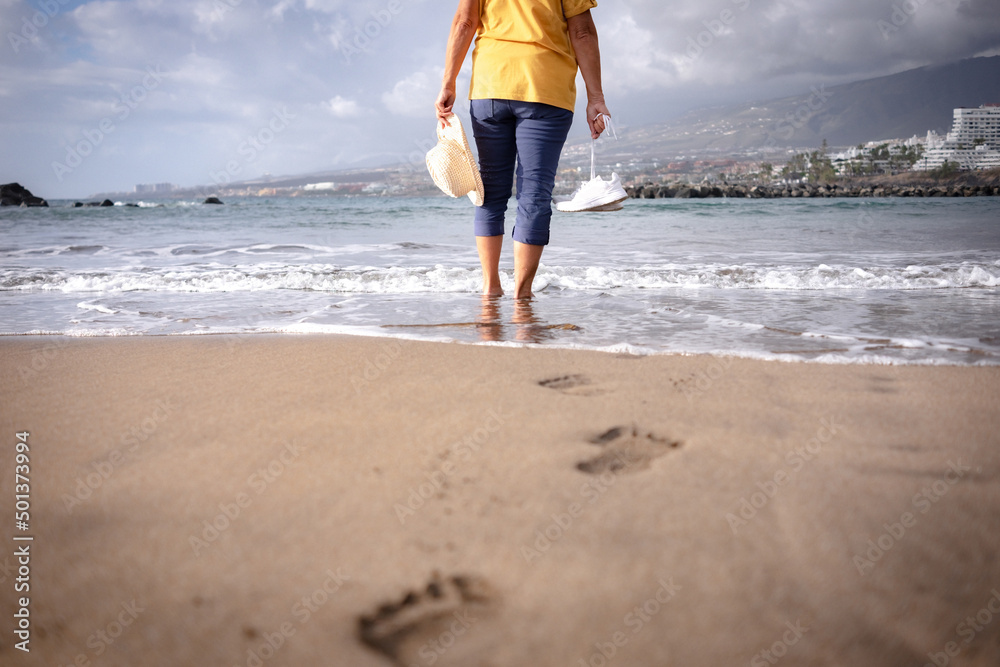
98 96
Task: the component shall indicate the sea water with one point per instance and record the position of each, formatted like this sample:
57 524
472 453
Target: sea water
827 280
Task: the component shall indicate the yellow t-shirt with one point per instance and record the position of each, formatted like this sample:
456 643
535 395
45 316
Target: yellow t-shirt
523 51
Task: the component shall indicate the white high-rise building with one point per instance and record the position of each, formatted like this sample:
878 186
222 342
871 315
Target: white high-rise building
973 143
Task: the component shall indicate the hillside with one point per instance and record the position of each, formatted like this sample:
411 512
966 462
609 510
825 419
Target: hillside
897 106
891 107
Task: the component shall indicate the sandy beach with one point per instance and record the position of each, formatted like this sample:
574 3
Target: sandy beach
328 500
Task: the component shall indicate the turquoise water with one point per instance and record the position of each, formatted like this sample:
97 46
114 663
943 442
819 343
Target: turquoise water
834 280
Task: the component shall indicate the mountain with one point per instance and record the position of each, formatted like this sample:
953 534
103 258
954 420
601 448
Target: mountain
890 107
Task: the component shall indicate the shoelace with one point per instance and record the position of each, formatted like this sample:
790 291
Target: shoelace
593 143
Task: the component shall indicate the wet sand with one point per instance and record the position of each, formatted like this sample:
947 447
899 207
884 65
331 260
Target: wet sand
306 500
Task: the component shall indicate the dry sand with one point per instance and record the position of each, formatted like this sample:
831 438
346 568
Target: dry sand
268 500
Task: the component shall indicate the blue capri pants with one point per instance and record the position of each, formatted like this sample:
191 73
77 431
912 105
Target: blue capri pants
532 135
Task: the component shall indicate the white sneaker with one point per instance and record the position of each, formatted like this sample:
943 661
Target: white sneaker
594 195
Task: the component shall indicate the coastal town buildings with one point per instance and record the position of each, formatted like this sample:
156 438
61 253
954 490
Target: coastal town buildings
154 188
973 143
882 157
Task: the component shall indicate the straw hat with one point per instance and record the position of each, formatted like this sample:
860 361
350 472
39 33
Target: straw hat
451 163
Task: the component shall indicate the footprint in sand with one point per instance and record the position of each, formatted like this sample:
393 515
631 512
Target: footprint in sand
574 385
626 450
434 621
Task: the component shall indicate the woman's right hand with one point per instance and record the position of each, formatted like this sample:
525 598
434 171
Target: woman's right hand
596 111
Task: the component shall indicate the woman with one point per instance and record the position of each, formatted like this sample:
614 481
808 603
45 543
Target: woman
522 98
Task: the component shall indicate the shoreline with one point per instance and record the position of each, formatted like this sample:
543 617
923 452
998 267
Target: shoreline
618 349
284 499
905 184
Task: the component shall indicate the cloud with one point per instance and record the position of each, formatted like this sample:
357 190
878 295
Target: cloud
414 96
376 66
328 6
342 108
724 41
636 56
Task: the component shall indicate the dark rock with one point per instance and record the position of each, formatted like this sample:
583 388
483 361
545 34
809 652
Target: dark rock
213 200
870 189
93 204
15 194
